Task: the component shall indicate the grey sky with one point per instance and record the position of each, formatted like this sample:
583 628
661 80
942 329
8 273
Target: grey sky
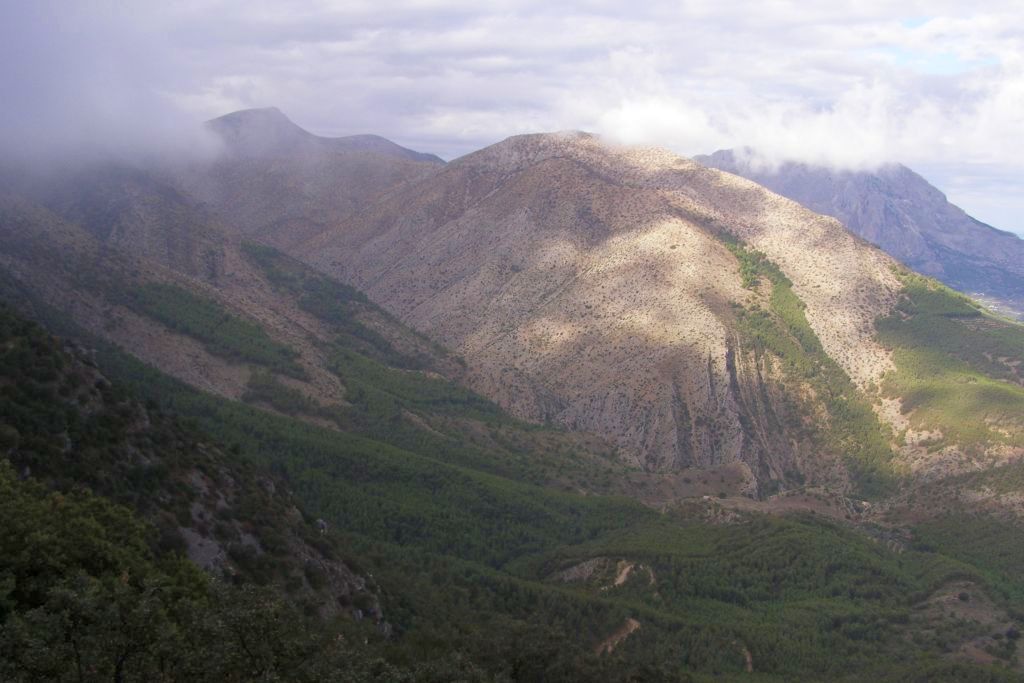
937 85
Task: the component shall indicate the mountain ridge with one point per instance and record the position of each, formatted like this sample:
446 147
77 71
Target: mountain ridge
692 318
268 131
278 183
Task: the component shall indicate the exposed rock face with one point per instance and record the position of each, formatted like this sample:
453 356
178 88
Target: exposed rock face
281 184
587 285
902 213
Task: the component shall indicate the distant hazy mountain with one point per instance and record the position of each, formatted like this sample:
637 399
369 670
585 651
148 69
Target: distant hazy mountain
281 184
901 212
268 133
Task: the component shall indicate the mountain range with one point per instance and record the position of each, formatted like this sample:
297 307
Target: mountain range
556 391
910 219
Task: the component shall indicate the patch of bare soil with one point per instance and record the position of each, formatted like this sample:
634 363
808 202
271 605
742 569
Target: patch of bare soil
585 571
748 659
624 570
608 645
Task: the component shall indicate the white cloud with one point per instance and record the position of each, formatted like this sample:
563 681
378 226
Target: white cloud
927 82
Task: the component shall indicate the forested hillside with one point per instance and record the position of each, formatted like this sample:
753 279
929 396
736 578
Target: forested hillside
481 574
111 507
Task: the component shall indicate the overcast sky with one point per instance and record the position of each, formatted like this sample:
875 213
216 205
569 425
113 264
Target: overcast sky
936 85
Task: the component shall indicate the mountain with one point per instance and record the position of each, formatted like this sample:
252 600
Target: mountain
903 214
278 183
269 134
598 288
756 443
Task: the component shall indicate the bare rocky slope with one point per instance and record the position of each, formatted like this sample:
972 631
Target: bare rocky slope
592 286
910 219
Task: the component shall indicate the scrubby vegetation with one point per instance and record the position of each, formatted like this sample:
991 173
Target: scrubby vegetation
65 425
782 331
335 304
373 385
83 597
994 547
267 389
465 559
222 333
958 370
93 590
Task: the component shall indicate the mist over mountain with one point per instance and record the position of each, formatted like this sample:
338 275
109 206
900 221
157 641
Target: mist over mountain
276 182
910 219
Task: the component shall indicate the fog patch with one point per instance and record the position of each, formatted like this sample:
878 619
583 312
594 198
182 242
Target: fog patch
77 84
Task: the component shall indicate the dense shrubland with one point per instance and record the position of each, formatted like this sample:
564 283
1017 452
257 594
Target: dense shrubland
222 333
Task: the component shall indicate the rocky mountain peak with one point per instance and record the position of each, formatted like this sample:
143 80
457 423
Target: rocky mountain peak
591 285
259 132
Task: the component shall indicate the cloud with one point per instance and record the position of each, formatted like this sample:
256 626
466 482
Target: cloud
931 83
851 92
79 81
